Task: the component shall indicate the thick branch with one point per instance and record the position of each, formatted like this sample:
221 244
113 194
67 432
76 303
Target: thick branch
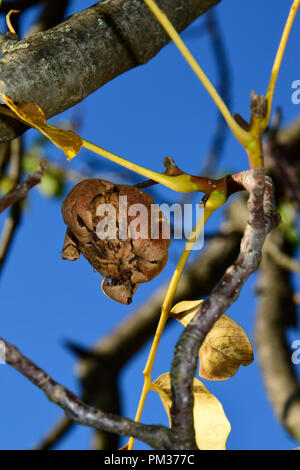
262 218
75 58
155 436
61 428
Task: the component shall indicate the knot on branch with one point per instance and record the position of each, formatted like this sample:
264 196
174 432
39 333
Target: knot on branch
120 231
258 105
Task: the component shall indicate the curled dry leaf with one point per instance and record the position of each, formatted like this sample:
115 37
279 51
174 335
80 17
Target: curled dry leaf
92 207
32 115
225 348
211 424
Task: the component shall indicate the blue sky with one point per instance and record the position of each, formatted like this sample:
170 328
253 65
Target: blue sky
155 110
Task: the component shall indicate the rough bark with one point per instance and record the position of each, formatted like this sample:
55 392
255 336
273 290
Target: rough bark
60 67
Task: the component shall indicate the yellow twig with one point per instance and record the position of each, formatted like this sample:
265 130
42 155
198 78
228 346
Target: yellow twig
259 123
215 200
242 136
181 183
278 58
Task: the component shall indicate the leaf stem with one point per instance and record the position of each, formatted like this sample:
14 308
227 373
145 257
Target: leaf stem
278 58
182 183
242 135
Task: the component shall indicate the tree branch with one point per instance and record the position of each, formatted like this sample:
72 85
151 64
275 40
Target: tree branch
75 58
22 189
157 437
262 218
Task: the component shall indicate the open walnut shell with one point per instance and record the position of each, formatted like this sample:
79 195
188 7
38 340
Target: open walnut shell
124 259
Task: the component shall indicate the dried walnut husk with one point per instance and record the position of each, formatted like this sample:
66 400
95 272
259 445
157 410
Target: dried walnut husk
124 262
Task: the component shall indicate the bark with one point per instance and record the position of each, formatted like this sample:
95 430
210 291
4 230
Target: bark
60 67
157 437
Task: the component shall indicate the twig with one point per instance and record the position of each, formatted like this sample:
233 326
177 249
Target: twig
21 191
262 218
281 259
157 437
10 225
277 313
136 329
12 221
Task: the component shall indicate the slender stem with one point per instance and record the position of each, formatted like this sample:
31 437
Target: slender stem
8 21
278 58
181 183
242 136
259 123
215 200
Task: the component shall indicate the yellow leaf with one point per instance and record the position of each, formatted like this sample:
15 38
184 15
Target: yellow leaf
185 310
32 115
225 348
211 424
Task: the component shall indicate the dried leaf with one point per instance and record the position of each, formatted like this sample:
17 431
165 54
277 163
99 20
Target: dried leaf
32 115
211 424
225 348
185 310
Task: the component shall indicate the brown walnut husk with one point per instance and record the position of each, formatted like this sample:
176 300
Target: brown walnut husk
125 263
